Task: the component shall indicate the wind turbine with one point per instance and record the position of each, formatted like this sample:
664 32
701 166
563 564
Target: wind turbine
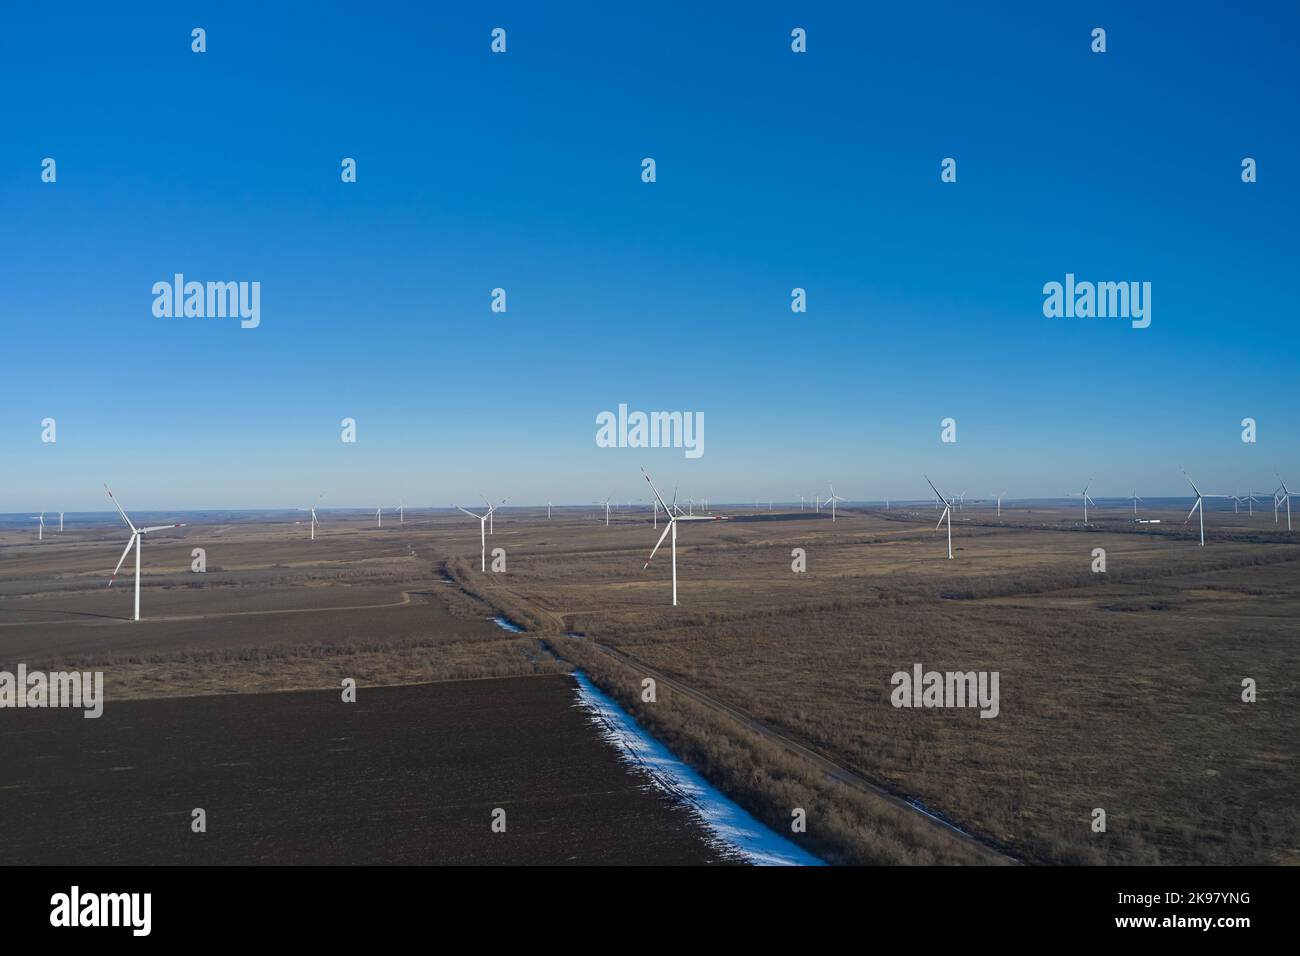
379 517
492 510
40 529
1000 494
833 498
1198 506
548 511
1086 498
671 529
314 522
947 513
136 539
1251 500
607 510
482 531
1136 499
1286 494
401 512
60 522
801 502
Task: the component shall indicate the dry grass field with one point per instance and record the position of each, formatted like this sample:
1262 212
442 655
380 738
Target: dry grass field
1119 690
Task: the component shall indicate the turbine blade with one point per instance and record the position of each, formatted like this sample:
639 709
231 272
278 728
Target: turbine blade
668 527
658 497
120 560
119 510
1194 507
160 527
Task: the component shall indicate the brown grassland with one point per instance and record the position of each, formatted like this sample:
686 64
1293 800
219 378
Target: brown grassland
1120 690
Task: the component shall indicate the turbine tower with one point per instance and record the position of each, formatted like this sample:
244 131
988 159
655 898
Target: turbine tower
947 513
314 522
833 499
1086 499
40 528
1199 505
136 539
482 532
1285 496
673 518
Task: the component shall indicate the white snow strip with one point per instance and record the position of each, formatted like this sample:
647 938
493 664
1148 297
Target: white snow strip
730 825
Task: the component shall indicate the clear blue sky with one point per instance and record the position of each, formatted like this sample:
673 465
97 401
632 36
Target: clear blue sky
522 170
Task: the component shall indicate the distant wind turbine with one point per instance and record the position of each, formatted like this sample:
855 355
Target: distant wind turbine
1136 499
136 539
671 529
60 522
1199 505
1285 496
1086 499
833 499
40 529
379 517
482 530
947 513
314 522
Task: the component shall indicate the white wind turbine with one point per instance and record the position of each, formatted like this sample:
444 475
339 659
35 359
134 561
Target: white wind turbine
401 512
606 503
1000 494
947 513
1136 499
548 511
1199 505
673 518
136 539
60 522
40 529
1251 501
379 517
491 512
1086 499
314 522
1284 496
482 531
833 499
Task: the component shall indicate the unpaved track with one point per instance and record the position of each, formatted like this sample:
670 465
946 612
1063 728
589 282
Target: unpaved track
834 771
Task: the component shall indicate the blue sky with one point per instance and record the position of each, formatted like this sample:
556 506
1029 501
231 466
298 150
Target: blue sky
522 170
